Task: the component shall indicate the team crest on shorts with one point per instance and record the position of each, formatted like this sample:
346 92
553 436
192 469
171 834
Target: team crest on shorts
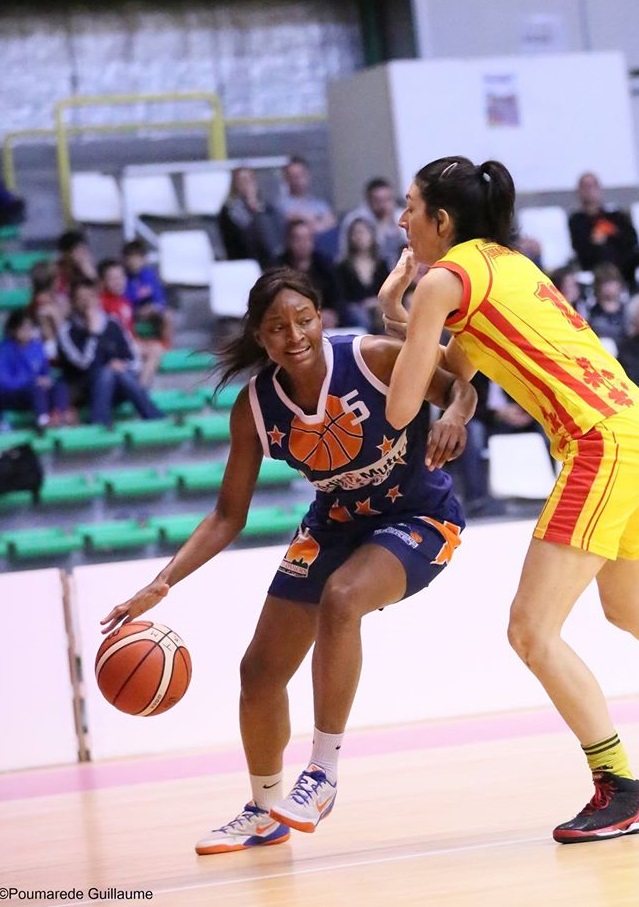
302 552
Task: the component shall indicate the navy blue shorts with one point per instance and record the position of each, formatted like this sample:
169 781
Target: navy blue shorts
423 544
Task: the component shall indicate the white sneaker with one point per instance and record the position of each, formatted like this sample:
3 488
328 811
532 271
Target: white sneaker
252 828
312 799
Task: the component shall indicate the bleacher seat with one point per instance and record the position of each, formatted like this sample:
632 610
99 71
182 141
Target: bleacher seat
549 225
150 194
210 427
95 198
185 258
226 397
175 528
85 438
273 520
230 282
198 476
136 483
156 433
276 472
205 191
42 542
519 466
172 401
117 535
42 444
69 489
184 360
14 298
22 262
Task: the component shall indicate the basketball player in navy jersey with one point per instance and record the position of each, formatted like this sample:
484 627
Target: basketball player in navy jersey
383 525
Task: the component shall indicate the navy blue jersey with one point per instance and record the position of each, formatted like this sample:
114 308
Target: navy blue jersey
361 467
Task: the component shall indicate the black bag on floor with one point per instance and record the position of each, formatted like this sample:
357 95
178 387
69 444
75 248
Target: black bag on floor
21 470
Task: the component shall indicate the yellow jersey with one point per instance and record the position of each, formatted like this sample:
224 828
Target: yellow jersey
517 328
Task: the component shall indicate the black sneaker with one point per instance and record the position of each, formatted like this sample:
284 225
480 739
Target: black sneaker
613 811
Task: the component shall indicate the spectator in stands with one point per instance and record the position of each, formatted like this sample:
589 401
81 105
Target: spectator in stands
250 226
361 274
628 352
531 248
12 207
381 209
47 308
602 233
99 358
117 305
75 262
566 281
298 203
26 379
300 254
145 292
607 317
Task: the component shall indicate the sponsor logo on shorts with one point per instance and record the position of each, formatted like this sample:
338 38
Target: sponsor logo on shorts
412 539
302 552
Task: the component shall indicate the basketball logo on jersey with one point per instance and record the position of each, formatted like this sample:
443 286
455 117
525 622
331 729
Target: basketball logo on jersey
331 443
302 552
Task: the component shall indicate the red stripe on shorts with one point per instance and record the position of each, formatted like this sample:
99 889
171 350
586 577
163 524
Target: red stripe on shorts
575 493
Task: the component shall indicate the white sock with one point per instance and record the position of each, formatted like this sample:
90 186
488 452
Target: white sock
326 748
267 790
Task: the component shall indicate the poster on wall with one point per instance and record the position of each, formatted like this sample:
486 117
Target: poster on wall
501 99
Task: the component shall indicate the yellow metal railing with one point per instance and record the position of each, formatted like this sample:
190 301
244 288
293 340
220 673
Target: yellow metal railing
216 129
215 126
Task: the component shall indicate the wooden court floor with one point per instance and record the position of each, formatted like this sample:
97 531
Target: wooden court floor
452 813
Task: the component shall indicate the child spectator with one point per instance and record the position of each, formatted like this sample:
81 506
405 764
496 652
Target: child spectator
145 292
47 308
26 381
99 358
113 283
75 262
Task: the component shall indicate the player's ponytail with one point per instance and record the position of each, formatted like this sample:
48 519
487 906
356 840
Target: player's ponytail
479 199
244 353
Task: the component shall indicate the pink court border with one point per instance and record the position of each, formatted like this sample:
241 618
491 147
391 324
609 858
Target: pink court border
373 742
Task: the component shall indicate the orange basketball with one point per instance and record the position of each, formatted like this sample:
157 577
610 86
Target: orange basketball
143 668
328 444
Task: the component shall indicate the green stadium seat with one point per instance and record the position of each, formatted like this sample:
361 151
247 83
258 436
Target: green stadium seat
276 472
176 528
85 438
273 520
226 397
69 489
4 547
136 483
43 542
198 476
156 433
182 360
117 535
14 298
15 500
42 444
210 426
22 262
9 232
173 401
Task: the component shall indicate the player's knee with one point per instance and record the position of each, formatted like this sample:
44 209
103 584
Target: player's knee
340 603
254 674
528 641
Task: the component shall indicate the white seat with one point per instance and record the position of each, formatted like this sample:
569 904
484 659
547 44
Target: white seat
185 257
519 466
230 283
548 225
151 194
205 191
95 198
634 214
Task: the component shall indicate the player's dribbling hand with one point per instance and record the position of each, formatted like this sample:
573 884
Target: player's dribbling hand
446 441
142 601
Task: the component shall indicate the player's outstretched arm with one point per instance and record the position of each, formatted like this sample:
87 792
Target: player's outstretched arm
218 529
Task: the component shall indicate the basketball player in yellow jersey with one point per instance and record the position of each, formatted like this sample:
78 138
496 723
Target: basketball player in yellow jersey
510 322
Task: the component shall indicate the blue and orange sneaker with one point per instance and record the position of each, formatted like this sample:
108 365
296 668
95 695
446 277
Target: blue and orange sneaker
311 800
252 828
613 811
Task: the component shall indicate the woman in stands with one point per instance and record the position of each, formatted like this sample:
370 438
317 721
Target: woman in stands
510 322
319 405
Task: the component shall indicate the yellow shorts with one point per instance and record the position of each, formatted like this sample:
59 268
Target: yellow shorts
595 502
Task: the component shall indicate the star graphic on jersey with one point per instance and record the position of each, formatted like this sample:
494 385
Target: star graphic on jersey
386 446
276 435
363 508
394 493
